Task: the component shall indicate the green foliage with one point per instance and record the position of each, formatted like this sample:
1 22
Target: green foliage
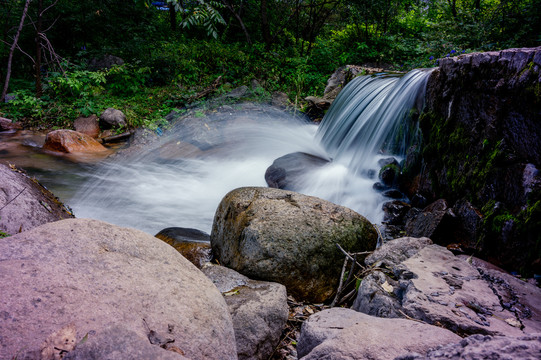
126 79
206 16
3 234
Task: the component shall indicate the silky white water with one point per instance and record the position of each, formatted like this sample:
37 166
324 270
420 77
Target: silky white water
174 183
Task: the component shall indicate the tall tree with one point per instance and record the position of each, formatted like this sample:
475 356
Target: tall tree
12 50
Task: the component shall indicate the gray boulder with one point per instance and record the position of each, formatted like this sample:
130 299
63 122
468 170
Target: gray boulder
434 286
437 222
290 238
112 118
87 125
485 347
98 276
25 203
340 333
287 171
258 308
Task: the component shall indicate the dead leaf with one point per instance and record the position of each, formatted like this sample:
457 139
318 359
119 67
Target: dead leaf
387 287
59 343
513 322
175 349
231 293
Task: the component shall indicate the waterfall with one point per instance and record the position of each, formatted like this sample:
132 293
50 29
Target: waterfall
373 115
180 179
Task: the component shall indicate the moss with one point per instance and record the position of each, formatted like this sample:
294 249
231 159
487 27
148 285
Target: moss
3 234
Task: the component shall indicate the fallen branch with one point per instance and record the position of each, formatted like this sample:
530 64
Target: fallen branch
20 192
207 91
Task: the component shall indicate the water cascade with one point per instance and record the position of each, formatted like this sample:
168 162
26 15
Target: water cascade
179 180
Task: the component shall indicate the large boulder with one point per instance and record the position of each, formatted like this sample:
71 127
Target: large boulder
8 124
98 277
69 141
481 134
485 347
25 203
290 238
430 284
258 308
340 333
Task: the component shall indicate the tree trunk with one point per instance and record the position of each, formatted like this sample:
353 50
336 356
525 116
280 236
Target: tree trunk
265 28
172 17
39 28
12 49
239 19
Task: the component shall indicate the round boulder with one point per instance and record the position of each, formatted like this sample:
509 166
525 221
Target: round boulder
112 118
289 238
94 278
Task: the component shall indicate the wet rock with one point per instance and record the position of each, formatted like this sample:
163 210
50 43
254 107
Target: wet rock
88 126
287 171
395 212
25 203
99 276
69 141
112 119
388 161
469 224
393 194
7 124
340 333
485 347
259 310
494 117
429 283
290 238
389 174
437 222
193 244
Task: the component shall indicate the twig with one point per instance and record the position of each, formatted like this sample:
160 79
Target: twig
339 290
410 318
20 192
348 255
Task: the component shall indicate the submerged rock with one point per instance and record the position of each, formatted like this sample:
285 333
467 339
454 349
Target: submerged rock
258 308
290 238
100 278
286 172
340 333
25 203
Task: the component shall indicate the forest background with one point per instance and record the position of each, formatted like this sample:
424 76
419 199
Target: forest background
176 48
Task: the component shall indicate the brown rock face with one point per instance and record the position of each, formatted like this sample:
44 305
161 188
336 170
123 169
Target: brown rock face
69 141
88 125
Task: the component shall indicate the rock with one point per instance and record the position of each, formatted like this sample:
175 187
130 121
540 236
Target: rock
88 126
106 62
259 310
193 244
345 74
485 347
519 297
395 212
434 286
117 342
469 224
237 93
389 174
287 171
7 124
486 104
437 222
69 141
280 99
99 277
25 203
340 333
289 238
112 118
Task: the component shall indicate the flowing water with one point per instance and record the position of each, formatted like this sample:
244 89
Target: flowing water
180 179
